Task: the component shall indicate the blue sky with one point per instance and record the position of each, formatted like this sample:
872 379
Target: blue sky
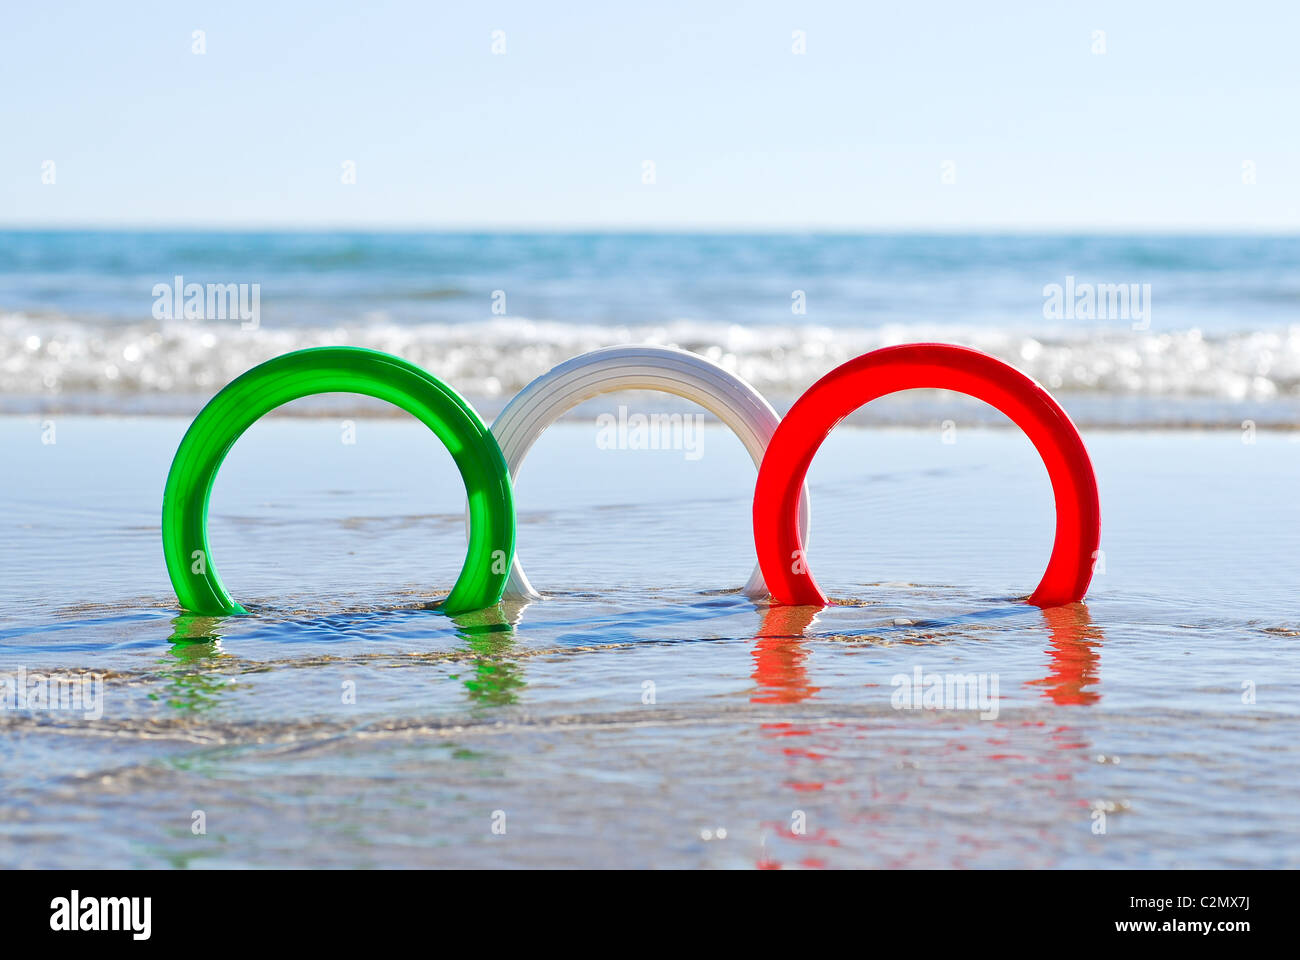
855 134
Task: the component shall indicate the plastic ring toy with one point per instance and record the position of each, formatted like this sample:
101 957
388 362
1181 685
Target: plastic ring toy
688 375
936 366
336 370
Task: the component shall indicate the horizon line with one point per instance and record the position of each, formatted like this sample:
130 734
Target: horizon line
986 229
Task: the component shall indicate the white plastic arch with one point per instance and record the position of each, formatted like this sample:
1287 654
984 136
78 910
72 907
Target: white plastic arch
608 370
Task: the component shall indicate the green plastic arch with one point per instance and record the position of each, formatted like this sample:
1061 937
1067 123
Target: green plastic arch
304 373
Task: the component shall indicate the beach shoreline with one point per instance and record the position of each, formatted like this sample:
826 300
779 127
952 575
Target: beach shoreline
644 683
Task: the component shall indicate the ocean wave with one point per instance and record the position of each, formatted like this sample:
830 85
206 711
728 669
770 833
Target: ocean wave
51 356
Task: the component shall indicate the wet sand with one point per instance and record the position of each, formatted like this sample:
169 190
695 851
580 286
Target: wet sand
645 713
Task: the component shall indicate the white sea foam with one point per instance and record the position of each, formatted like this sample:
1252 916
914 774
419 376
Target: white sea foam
48 357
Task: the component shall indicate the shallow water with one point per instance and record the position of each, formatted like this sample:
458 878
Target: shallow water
646 708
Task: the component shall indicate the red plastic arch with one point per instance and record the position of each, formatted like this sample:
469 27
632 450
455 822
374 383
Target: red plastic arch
940 366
